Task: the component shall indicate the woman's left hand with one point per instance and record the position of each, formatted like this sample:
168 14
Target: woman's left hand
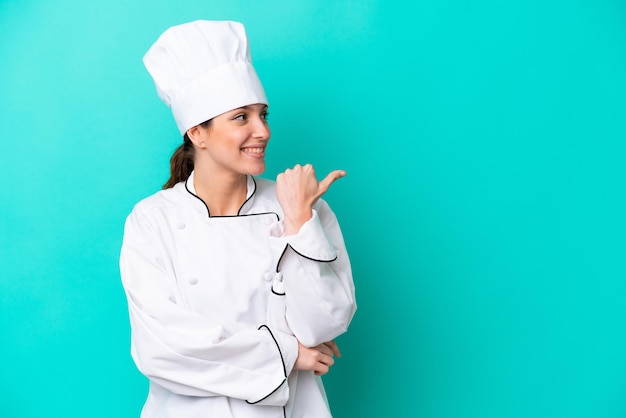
333 347
317 359
297 190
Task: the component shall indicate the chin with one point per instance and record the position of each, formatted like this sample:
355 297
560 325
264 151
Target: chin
256 171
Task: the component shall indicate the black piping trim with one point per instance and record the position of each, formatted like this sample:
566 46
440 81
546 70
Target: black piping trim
239 211
277 346
301 255
284 367
276 293
197 197
313 259
280 259
251 194
270 394
247 214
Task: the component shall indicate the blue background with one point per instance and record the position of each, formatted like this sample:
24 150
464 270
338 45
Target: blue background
483 208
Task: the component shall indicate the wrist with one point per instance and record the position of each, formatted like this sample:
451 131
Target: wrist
293 223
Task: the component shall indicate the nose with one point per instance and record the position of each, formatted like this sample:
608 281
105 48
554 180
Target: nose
261 129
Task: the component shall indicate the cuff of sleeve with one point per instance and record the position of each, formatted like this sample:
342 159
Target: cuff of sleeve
310 241
288 349
279 397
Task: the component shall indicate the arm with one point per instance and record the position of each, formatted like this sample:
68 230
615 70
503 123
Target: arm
186 352
314 263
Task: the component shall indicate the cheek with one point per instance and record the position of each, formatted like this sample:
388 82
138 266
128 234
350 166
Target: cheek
227 144
234 140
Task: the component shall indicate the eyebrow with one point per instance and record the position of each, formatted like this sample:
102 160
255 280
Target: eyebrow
249 107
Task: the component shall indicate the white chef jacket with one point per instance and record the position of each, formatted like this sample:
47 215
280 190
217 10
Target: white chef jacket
217 303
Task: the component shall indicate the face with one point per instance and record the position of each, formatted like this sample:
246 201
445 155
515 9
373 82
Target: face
235 141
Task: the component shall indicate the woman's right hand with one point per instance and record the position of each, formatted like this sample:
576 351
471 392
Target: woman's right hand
317 359
297 190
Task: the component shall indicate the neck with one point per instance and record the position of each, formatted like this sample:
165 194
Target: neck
224 194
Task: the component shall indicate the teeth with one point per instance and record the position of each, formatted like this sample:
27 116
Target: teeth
253 150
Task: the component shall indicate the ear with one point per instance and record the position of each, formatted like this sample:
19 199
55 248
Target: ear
197 135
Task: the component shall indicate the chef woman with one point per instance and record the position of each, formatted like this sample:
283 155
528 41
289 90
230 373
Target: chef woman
236 285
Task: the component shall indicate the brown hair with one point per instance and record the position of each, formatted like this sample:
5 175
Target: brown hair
181 163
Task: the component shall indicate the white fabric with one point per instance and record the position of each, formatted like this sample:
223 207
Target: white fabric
202 69
216 304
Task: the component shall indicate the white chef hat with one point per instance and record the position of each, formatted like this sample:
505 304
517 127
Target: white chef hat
202 69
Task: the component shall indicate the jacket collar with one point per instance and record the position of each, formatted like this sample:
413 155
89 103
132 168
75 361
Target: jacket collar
201 206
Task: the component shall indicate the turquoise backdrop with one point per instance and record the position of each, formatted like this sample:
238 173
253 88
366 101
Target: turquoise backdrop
484 204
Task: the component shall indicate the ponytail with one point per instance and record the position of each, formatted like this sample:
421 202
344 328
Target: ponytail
181 163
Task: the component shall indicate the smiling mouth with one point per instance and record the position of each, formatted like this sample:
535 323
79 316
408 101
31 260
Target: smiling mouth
259 150
254 151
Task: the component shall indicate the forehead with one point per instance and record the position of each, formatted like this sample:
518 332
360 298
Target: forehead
252 108
257 107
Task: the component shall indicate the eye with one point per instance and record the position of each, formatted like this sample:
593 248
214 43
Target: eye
241 117
265 115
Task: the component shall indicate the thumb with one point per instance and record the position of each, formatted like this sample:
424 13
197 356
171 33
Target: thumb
330 179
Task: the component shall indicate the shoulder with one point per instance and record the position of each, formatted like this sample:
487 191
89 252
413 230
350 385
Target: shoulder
160 202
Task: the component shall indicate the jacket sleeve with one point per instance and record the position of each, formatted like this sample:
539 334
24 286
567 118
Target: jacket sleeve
315 271
186 352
